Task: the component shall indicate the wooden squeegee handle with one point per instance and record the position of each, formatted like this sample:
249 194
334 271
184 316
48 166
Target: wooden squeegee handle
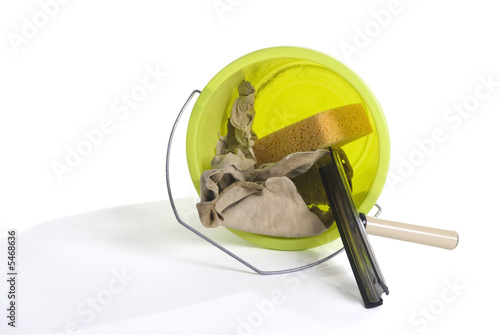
440 238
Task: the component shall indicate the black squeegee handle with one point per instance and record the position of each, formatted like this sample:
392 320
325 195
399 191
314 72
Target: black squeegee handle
364 265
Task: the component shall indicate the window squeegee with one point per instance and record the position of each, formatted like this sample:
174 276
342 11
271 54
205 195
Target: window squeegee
353 226
350 225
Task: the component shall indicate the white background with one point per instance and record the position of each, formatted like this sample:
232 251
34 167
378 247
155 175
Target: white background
62 78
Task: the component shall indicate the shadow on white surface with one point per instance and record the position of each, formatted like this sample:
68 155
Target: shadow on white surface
135 264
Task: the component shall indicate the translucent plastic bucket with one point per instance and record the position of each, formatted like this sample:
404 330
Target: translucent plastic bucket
291 84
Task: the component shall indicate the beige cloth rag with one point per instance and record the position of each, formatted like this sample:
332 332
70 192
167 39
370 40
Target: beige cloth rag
265 200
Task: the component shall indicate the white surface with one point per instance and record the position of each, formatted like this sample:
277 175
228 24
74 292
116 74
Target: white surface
133 269
71 76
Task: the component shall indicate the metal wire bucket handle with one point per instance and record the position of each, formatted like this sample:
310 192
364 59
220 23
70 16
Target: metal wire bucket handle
206 238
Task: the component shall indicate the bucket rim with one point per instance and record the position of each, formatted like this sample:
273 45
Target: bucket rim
195 165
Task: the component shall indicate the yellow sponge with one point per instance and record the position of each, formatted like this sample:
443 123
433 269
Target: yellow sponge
331 128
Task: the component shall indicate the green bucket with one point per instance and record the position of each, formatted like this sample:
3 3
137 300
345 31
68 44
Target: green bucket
291 83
